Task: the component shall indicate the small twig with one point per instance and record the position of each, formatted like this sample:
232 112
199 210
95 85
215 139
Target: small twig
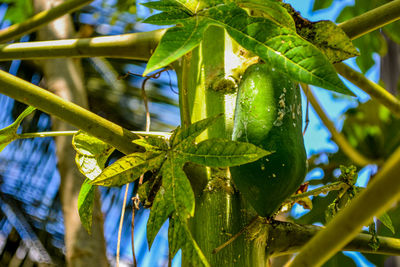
233 238
321 190
121 222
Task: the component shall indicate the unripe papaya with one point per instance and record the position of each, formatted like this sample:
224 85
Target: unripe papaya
268 114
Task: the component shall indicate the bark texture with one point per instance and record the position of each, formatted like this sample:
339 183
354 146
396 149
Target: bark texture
64 78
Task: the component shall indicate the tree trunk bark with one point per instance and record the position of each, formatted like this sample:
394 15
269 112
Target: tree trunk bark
64 78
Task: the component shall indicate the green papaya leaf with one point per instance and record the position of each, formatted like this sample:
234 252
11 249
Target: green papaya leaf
168 18
159 213
218 152
281 47
190 133
129 168
386 221
180 237
85 205
271 10
91 154
9 133
152 143
176 195
176 42
166 5
330 38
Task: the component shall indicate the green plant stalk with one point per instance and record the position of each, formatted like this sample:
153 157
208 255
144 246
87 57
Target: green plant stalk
377 198
372 20
376 91
138 46
73 114
220 212
40 19
71 133
339 139
281 234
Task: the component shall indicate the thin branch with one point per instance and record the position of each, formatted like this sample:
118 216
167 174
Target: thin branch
32 95
138 46
374 90
339 139
40 19
371 20
377 198
70 133
288 238
321 190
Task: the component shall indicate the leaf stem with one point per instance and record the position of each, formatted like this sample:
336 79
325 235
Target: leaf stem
339 139
372 20
70 133
138 46
40 19
374 90
378 197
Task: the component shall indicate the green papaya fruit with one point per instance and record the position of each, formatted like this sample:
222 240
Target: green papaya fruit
268 114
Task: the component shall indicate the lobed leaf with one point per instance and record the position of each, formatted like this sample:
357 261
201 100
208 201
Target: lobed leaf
176 196
168 18
85 205
91 154
190 133
280 47
9 133
151 143
271 10
129 168
176 42
159 213
218 152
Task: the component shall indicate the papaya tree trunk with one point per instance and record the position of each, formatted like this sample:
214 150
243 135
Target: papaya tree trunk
207 89
64 78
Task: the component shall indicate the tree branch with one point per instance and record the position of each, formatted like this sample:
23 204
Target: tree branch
70 133
138 46
378 197
30 94
339 139
374 90
288 238
371 20
40 19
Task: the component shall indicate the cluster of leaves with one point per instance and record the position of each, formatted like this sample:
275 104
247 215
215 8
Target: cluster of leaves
174 197
271 33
